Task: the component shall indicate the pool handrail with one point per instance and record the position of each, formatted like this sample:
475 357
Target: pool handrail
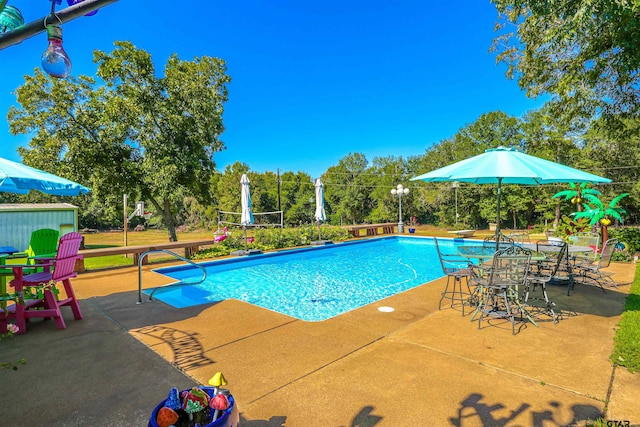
180 282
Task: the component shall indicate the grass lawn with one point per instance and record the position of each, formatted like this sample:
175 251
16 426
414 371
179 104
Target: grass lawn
116 238
626 349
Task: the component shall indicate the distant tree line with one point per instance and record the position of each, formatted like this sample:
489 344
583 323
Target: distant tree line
154 137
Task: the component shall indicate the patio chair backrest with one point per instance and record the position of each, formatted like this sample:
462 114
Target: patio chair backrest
65 260
449 264
586 239
607 253
510 266
43 241
554 250
499 242
519 238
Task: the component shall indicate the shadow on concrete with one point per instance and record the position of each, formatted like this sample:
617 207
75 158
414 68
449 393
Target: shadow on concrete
123 309
587 299
473 411
92 373
276 421
187 350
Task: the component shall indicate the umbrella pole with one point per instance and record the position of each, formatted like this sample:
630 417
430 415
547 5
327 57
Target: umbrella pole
319 238
498 215
245 238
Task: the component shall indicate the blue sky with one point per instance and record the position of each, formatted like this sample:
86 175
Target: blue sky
311 81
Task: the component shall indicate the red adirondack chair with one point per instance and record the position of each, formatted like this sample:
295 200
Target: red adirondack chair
58 269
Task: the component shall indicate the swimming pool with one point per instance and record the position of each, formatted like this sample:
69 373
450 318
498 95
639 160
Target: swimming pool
316 283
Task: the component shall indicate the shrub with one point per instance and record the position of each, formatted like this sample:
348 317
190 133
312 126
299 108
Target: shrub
568 226
274 238
629 235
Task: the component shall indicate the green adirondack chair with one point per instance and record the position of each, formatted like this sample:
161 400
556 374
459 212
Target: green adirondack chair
43 244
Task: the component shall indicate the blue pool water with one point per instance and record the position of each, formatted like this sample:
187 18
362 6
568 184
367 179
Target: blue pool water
312 284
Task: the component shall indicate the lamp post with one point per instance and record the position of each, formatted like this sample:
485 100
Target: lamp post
455 186
400 191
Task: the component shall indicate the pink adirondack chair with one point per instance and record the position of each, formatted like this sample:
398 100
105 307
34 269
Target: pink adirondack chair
58 269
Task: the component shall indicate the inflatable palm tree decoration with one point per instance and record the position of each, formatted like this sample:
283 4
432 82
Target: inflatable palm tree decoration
576 194
599 213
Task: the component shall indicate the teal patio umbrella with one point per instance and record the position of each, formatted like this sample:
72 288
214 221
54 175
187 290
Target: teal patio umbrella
504 165
20 179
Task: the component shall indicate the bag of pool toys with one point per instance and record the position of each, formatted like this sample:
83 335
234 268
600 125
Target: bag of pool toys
197 407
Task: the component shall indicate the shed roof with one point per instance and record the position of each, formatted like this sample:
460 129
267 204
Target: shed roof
35 206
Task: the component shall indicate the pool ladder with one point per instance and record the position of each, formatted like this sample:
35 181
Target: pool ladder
178 283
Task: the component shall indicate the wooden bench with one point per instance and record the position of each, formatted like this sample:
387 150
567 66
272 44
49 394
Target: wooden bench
373 229
190 248
463 233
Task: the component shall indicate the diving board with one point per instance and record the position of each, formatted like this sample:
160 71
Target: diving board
463 233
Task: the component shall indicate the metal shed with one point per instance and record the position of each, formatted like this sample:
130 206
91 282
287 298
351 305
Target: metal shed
18 220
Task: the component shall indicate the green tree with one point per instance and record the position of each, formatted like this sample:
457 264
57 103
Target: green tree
476 203
229 188
583 53
134 132
347 189
551 137
298 198
388 172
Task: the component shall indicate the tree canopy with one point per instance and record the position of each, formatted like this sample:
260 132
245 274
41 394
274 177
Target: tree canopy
131 132
585 54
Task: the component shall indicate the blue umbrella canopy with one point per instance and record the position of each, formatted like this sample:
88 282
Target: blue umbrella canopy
20 179
504 165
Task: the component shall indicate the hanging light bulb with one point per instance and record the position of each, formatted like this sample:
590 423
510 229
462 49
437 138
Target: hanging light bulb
72 2
55 60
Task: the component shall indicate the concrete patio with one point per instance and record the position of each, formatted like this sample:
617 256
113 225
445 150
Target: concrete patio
416 366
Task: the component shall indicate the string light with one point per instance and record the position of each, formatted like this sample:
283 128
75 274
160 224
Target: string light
55 60
10 18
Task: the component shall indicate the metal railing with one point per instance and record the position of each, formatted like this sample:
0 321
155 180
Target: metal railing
178 283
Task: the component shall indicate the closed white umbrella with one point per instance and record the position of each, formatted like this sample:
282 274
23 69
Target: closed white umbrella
247 215
320 215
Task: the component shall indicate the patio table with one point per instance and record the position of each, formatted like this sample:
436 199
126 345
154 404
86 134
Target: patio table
484 253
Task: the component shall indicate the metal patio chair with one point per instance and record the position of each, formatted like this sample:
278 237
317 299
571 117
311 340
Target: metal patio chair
591 240
592 272
457 268
506 278
543 272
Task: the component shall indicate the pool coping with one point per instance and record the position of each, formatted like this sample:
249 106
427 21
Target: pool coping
417 365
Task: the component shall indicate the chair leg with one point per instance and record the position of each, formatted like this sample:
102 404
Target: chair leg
71 300
51 304
444 293
455 293
549 304
508 312
483 307
21 320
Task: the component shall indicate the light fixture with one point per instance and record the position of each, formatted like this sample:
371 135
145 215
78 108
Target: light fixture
10 18
55 60
400 191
